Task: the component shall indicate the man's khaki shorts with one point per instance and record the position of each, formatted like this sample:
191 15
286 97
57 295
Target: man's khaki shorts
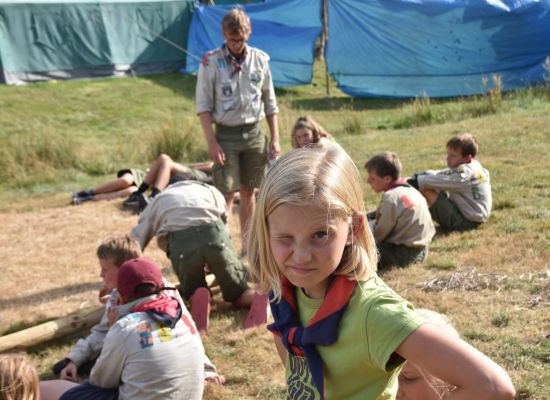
245 149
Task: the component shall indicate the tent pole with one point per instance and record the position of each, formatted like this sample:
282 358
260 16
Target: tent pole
324 41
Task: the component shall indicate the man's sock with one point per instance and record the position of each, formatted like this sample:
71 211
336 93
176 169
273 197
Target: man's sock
143 188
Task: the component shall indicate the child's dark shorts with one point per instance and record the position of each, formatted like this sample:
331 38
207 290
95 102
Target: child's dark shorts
447 214
87 391
190 249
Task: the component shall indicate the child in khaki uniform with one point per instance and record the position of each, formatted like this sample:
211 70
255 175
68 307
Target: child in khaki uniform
402 226
460 196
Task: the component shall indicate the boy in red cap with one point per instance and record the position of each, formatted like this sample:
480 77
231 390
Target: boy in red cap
141 348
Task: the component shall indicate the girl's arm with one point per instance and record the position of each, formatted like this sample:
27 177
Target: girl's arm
280 348
454 361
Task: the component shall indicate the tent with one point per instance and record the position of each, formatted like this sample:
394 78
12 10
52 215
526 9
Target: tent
48 39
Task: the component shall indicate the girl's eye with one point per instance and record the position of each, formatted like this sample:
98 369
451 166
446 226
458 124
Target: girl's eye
320 235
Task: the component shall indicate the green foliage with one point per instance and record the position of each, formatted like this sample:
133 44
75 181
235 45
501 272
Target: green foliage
34 158
179 141
500 321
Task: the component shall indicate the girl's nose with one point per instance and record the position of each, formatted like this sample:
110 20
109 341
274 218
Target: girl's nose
301 254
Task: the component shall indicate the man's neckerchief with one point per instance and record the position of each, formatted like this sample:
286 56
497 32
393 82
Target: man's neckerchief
164 309
236 63
321 330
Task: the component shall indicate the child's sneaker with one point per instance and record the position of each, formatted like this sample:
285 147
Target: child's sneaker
77 199
200 309
257 315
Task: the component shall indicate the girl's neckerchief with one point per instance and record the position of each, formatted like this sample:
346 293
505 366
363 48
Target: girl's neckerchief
164 309
321 330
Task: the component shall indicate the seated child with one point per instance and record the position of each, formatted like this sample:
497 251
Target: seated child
340 331
18 378
188 219
415 384
403 227
111 254
459 196
307 131
151 351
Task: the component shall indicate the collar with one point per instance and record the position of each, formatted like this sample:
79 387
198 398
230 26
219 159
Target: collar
396 183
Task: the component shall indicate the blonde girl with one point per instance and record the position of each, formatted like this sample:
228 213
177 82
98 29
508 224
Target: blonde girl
18 378
340 331
307 131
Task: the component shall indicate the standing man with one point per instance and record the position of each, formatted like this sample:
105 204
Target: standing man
234 92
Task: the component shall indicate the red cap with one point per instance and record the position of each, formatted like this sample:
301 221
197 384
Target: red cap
135 272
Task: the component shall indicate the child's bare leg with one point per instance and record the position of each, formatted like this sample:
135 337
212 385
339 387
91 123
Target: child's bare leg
115 195
245 299
52 390
430 195
123 182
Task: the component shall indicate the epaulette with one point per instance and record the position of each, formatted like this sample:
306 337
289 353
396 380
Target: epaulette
205 58
262 54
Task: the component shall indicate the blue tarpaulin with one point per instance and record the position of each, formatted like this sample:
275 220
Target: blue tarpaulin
438 48
286 30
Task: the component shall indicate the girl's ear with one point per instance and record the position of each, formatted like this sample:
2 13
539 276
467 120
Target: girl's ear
357 221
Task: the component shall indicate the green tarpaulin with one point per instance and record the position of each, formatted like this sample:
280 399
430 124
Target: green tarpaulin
76 39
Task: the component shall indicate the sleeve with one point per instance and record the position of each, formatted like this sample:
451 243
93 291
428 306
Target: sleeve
107 371
268 93
147 226
452 179
204 91
209 368
89 348
390 320
386 219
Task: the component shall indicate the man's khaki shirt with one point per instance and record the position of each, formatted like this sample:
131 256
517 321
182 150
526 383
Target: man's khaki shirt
234 97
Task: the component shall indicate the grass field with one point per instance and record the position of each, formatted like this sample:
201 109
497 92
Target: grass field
494 283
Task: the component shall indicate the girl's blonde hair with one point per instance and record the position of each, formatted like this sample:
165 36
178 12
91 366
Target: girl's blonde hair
18 378
306 122
320 176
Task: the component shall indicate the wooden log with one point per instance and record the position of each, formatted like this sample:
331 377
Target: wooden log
83 319
50 330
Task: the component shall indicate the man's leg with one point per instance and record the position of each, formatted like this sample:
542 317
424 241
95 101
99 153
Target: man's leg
246 210
229 200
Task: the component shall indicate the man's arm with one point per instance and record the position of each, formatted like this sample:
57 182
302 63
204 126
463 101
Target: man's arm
274 146
214 149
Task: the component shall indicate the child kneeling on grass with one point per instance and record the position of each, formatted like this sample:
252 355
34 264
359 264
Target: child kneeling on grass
402 226
154 352
460 196
340 331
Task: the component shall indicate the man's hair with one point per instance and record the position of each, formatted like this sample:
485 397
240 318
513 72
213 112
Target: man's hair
325 177
18 378
385 164
119 249
465 142
236 22
308 122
